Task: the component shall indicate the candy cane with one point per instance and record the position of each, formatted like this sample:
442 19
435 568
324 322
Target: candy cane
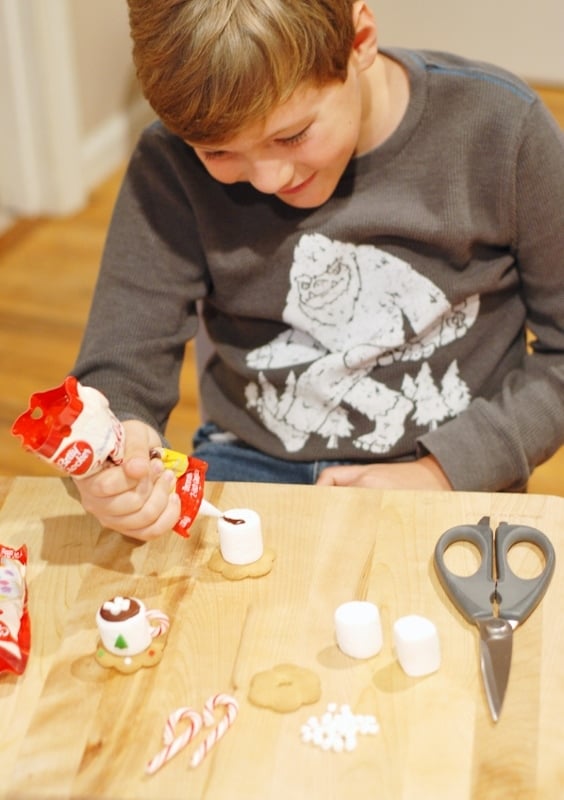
162 619
231 709
173 744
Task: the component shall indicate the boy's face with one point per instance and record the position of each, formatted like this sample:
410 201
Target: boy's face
302 148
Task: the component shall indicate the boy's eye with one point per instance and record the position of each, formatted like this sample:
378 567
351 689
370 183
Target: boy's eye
287 141
296 138
210 155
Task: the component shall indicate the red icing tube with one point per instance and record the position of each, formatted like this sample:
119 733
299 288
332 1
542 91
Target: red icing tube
190 475
71 427
190 489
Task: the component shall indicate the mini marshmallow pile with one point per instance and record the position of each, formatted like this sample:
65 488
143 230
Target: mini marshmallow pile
338 728
117 605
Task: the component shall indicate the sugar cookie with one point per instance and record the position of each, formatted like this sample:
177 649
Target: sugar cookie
284 688
235 572
129 664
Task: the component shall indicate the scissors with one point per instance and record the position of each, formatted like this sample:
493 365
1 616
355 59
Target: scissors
494 597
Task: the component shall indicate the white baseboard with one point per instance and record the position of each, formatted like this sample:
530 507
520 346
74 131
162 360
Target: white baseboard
103 151
111 143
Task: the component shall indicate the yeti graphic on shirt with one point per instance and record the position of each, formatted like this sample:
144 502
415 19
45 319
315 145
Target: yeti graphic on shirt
351 309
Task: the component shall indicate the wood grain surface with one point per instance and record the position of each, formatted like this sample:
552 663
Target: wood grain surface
72 729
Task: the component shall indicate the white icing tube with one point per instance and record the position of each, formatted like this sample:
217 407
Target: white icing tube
240 536
207 509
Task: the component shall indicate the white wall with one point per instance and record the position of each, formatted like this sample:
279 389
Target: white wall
71 108
102 57
111 109
524 36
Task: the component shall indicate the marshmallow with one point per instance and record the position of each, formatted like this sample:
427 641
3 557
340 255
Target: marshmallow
240 536
417 645
358 629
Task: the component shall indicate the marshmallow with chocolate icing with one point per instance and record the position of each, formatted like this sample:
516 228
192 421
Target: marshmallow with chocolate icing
240 536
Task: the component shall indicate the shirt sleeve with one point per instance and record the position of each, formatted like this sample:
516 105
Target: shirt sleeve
152 273
496 443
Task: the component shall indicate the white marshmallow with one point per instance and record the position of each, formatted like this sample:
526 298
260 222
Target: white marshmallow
417 645
240 536
358 629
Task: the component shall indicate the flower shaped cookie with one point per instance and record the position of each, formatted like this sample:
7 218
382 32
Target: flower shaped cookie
236 572
285 687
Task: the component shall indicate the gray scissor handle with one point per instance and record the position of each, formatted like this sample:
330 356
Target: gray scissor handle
516 596
471 594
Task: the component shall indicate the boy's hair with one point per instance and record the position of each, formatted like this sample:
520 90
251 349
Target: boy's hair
209 68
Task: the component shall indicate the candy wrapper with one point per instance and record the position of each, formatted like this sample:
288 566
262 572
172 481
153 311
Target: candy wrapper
15 634
73 428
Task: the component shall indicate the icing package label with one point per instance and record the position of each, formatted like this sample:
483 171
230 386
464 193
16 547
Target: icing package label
15 630
73 428
190 477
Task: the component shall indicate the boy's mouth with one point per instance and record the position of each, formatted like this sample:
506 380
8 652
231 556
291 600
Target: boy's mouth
299 188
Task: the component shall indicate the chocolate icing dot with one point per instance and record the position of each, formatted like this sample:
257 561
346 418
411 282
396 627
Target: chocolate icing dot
233 521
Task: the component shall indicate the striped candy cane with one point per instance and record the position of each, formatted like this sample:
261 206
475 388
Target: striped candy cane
163 622
173 744
231 709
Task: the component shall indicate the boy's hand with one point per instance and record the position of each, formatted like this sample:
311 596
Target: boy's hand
425 473
136 498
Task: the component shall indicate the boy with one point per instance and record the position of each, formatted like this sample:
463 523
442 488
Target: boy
369 233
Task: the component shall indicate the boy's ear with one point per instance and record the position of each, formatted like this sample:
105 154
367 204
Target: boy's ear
365 44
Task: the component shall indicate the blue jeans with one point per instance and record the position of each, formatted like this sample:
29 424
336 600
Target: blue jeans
230 459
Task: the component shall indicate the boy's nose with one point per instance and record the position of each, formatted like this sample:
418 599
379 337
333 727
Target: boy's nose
271 176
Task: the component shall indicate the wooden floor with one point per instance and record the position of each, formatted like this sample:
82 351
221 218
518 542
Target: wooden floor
47 271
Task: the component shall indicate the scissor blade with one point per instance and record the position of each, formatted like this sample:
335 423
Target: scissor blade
496 645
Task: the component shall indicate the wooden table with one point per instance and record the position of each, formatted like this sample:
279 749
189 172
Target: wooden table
72 729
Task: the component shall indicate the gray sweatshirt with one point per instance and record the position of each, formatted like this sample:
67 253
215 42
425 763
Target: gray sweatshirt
389 322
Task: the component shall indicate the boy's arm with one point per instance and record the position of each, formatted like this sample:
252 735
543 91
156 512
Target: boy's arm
496 443
136 498
143 310
425 473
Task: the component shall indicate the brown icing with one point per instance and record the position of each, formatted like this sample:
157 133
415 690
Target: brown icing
234 521
133 609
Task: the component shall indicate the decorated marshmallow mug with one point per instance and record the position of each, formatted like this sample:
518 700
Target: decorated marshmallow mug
125 625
